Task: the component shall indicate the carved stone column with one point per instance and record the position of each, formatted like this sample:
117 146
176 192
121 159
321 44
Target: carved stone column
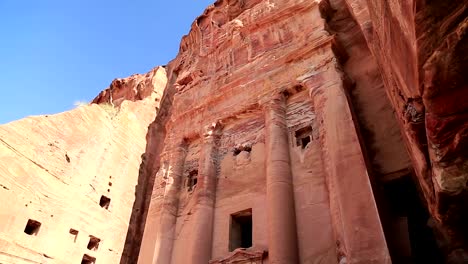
356 222
170 206
282 234
205 196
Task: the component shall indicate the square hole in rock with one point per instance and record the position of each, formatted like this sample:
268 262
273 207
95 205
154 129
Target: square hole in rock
74 234
240 233
104 202
192 179
93 243
303 136
305 141
87 259
32 227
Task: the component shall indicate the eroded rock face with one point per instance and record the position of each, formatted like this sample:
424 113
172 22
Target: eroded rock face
289 131
421 48
239 55
68 180
134 88
257 110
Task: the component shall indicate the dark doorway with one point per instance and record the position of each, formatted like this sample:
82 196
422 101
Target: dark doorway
409 237
240 233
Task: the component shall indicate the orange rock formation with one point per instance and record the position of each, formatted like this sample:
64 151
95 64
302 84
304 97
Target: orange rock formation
289 131
68 180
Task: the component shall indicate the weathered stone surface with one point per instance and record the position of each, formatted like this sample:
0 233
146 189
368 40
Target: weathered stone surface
134 88
311 202
54 169
421 48
330 131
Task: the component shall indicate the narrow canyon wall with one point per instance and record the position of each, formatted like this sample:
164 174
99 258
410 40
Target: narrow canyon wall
421 49
68 181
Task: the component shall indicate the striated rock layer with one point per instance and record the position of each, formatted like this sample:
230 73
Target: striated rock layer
421 49
134 88
289 131
257 110
74 174
325 123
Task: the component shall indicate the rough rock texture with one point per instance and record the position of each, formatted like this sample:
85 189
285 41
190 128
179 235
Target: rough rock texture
257 109
134 88
289 131
421 48
361 79
55 170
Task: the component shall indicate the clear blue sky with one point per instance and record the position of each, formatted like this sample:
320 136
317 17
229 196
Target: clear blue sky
56 52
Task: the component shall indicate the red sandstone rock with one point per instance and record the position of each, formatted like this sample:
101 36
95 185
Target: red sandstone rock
310 202
134 88
58 170
421 48
315 127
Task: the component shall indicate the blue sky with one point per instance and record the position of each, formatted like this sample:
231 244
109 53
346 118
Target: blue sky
56 52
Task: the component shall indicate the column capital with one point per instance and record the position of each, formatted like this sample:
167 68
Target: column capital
313 84
274 101
212 130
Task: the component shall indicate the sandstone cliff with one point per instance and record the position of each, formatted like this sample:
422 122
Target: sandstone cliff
256 108
327 131
421 49
68 181
134 88
386 98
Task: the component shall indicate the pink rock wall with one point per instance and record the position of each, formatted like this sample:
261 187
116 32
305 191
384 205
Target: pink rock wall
337 127
55 170
420 48
134 88
229 91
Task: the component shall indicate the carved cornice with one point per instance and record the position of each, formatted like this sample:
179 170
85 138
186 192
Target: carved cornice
241 256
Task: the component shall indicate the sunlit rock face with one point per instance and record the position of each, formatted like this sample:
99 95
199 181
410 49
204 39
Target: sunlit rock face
134 88
346 94
285 131
257 109
68 180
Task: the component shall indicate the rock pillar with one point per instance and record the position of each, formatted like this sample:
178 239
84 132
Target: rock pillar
282 236
170 206
358 231
205 196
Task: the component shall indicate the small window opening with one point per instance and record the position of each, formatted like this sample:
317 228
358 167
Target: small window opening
240 233
32 227
305 141
236 151
192 179
239 149
104 202
93 243
87 259
303 136
74 234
